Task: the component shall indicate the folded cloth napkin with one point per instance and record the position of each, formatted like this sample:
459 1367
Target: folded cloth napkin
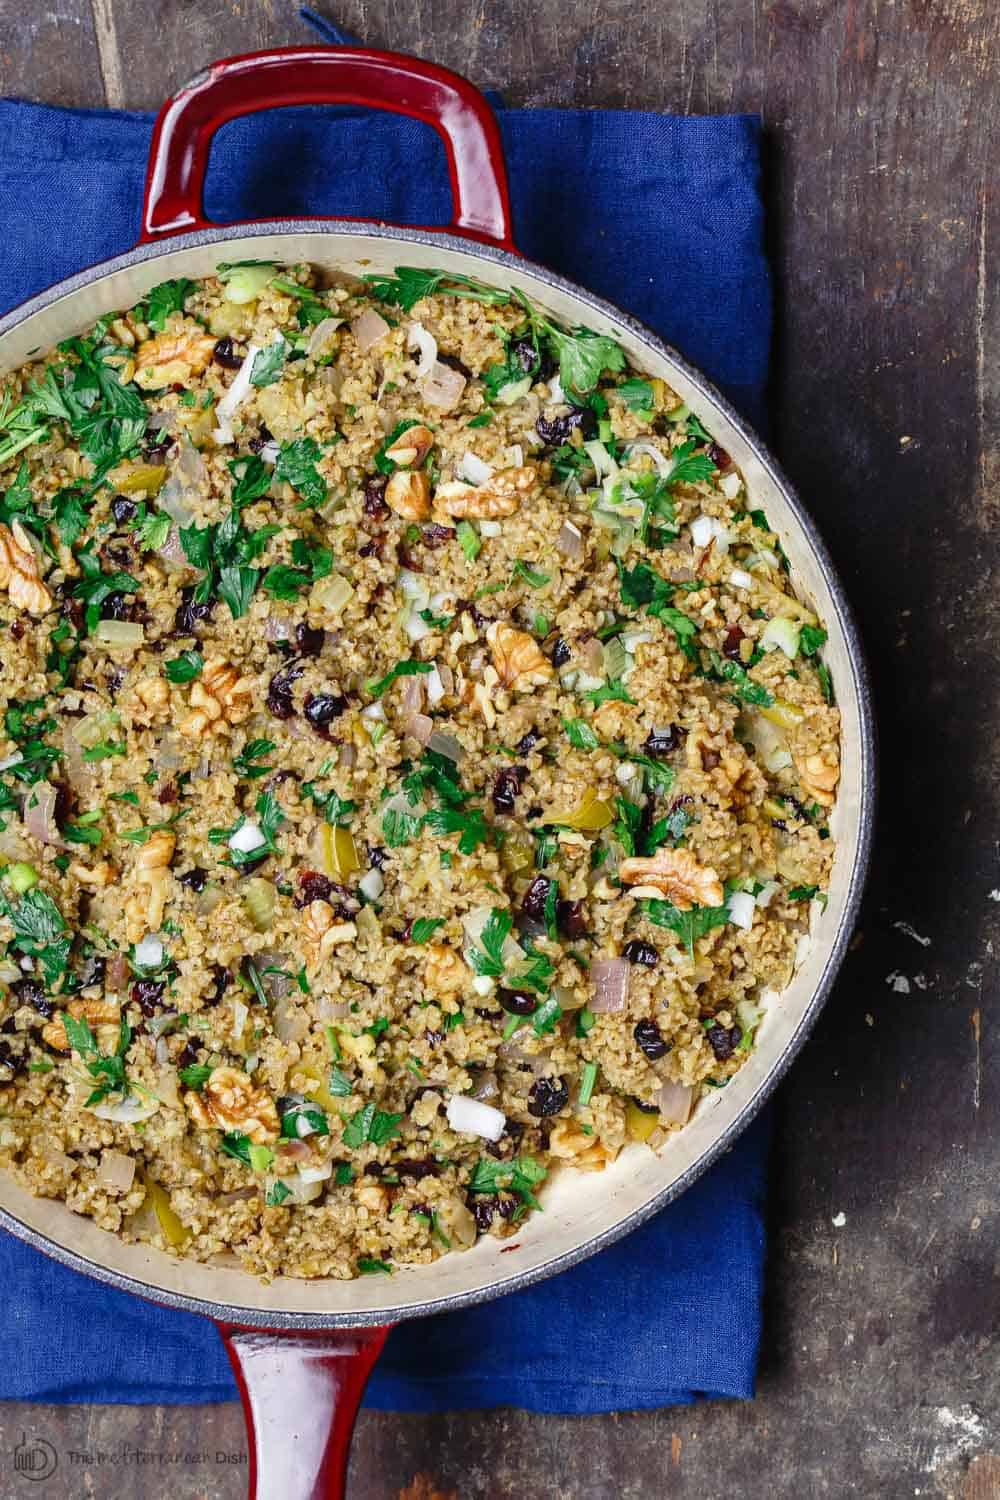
663 216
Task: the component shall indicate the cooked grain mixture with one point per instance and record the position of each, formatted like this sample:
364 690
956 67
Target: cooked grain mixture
415 768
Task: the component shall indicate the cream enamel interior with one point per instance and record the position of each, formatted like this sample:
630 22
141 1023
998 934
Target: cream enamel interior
580 1208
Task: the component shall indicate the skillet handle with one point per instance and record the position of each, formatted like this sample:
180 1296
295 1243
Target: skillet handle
300 1392
242 85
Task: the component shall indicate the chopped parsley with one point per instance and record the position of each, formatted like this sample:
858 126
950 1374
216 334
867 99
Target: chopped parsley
246 763
184 668
269 362
411 283
469 540
688 925
520 1175
370 1125
425 928
379 685
743 685
296 465
158 303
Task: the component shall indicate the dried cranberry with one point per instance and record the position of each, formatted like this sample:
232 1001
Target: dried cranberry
432 1038
547 1097
147 993
31 992
723 1040
719 457
641 953
65 803
555 431
313 886
376 856
436 535
115 676
571 919
372 1169
17 629
309 639
417 1169
221 980
647 1034
194 878
517 1002
167 794
189 1052
191 612
264 436
664 741
527 742
279 693
731 645
11 1062
506 787
225 354
321 709
524 352
485 1014
123 509
158 443
116 606
372 548
534 898
374 505
483 1209
507 1205
560 653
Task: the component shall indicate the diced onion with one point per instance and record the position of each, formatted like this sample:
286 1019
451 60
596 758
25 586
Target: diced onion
609 978
420 727
372 885
412 700
320 336
417 337
443 387
707 529
730 485
662 462
513 391
149 952
767 892
781 634
570 541
471 1117
777 760
473 469
269 453
128 1111
483 985
490 528
316 1174
40 814
741 909
556 394
740 579
434 685
748 1013
446 744
332 593
416 628
374 711
116 1170
241 1014
674 1103
599 456
247 838
369 329
239 390
120 634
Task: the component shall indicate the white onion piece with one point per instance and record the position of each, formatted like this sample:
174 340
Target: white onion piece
514 456
435 687
290 1023
783 635
372 885
604 464
172 552
121 635
332 1010
162 1050
609 977
277 629
417 337
730 485
443 387
556 393
11 760
447 745
484 985
128 1111
247 838
740 579
239 390
241 1014
470 1117
348 756
116 1170
316 1174
473 469
487 1088
9 971
416 628
570 541
674 1103
419 727
741 909
321 335
269 453
662 462
40 814
707 529
413 695
369 329
490 528
374 711
767 893
149 952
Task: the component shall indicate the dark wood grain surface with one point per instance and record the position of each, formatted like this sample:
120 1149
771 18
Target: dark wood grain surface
880 1373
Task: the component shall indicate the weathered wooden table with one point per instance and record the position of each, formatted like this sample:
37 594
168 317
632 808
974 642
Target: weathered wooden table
880 1374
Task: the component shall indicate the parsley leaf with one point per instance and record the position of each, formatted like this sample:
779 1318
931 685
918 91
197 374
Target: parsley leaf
162 300
283 582
184 668
469 822
195 1076
613 691
688 925
370 1124
411 283
379 685
488 959
469 540
627 824
580 734
811 637
532 577
583 357
253 479
269 363
244 765
424 928
237 586
521 1175
637 396
803 892
743 685
296 465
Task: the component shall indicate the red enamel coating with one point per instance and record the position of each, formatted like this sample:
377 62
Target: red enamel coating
327 75
300 1392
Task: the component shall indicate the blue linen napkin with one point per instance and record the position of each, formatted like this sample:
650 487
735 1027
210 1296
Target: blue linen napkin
663 216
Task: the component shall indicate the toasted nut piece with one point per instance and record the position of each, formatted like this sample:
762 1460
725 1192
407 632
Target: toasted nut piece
100 875
569 1143
518 657
172 358
678 875
408 493
231 1100
446 973
219 697
19 571
372 1196
153 693
157 851
411 447
819 774
95 1012
499 496
320 934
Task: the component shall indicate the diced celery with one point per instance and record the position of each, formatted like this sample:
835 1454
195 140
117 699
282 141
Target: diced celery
22 877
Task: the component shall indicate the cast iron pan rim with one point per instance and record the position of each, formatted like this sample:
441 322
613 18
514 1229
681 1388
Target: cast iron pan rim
514 264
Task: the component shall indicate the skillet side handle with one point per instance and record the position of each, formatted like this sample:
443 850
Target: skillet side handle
300 1392
253 81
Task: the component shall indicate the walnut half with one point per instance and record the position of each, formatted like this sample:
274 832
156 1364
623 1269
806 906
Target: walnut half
173 358
95 1012
231 1100
518 657
499 496
220 697
446 973
678 875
